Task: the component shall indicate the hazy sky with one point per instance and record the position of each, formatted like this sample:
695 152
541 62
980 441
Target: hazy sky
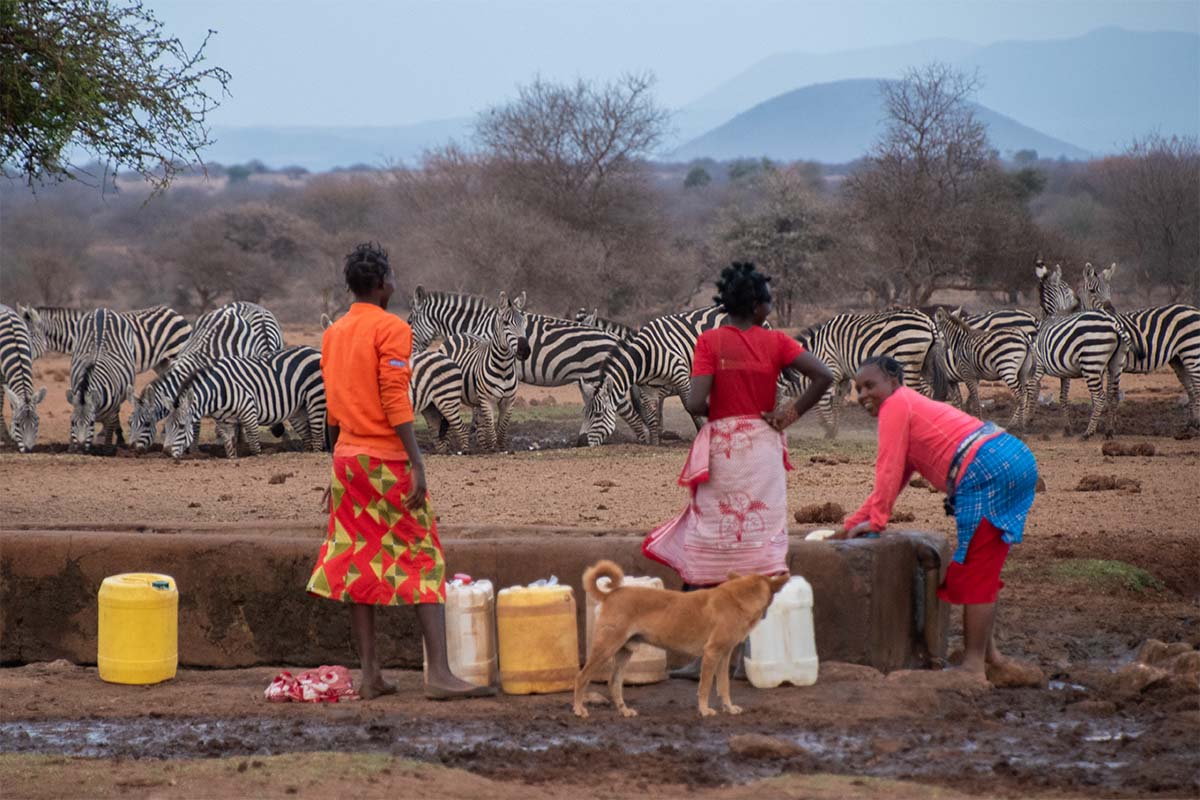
372 62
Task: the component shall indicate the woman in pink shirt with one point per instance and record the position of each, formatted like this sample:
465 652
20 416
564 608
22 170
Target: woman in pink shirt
989 477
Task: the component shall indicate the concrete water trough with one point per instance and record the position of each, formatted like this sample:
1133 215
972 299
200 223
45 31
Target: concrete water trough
242 598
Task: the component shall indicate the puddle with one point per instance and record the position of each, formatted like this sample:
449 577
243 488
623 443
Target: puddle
525 750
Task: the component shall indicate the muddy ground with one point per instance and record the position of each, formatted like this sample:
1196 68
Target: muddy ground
1099 574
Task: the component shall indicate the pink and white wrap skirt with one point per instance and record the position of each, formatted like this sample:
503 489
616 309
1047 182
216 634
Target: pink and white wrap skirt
737 518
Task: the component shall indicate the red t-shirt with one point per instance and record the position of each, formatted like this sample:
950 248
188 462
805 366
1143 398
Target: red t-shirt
744 366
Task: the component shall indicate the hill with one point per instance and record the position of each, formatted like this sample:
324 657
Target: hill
838 122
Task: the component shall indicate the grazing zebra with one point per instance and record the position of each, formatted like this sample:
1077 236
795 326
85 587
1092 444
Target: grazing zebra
244 393
594 320
658 360
1080 344
159 333
561 352
972 355
846 340
262 322
219 333
1161 335
436 391
102 372
16 378
489 369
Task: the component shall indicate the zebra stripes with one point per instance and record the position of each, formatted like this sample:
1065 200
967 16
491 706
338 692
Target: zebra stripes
436 391
1008 319
102 372
658 361
159 333
244 393
1088 345
972 355
1160 335
843 342
594 320
222 332
489 370
16 378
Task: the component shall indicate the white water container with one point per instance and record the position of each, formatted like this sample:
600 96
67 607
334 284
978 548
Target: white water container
471 631
782 646
648 664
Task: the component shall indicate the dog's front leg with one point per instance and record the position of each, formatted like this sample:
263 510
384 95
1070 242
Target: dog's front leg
723 683
707 665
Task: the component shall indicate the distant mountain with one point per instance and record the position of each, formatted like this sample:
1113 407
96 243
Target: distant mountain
321 148
1098 90
783 72
838 122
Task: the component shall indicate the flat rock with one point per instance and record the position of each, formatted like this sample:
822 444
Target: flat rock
1016 674
756 745
955 680
841 672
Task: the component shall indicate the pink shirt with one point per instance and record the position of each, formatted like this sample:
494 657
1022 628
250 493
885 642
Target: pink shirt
915 434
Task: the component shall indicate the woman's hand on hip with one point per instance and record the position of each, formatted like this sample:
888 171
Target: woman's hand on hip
780 419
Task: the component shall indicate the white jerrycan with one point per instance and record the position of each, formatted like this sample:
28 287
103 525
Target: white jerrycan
782 645
471 631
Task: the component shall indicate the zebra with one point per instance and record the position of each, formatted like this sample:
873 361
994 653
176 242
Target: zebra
594 320
219 333
971 355
1161 335
658 360
244 393
102 372
262 322
16 377
561 352
843 342
1077 344
1008 319
489 369
159 333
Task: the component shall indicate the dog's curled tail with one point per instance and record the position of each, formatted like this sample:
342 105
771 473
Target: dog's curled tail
602 569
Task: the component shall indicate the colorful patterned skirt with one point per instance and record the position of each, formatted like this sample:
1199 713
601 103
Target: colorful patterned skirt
376 551
737 518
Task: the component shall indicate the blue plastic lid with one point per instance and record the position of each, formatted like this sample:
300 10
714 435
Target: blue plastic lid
161 584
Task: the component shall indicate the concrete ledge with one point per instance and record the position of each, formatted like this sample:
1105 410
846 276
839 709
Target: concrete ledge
242 599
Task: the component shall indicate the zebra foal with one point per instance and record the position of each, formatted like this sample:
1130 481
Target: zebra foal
972 355
102 372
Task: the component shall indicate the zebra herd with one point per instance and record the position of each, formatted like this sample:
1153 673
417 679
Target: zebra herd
232 365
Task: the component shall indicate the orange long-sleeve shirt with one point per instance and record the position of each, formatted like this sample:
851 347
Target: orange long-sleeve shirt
365 364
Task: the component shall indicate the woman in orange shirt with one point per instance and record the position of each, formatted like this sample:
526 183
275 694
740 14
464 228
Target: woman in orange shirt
382 546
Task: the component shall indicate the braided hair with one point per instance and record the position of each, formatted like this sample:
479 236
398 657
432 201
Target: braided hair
740 288
887 365
366 268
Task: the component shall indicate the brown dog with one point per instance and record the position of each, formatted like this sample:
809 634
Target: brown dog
708 623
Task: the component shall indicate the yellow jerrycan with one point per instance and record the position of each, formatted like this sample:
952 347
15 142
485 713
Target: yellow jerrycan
138 638
539 639
648 664
471 630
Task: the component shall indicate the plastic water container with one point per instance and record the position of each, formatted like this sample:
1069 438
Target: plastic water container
538 638
648 664
138 638
471 631
782 645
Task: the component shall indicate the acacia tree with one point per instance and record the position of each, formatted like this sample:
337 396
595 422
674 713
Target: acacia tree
101 77
916 197
1153 191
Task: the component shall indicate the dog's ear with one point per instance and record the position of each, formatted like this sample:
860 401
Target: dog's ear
733 576
779 581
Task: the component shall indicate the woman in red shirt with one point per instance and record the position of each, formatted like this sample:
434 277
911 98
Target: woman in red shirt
736 470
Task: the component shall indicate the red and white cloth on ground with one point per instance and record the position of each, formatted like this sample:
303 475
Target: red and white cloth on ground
321 685
737 519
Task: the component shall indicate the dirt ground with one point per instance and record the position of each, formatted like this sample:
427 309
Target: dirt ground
1099 573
